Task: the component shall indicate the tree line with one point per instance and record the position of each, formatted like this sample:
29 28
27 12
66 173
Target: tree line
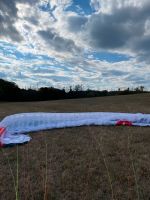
9 91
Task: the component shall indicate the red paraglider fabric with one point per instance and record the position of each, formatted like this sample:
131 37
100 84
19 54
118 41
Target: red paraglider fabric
124 123
2 131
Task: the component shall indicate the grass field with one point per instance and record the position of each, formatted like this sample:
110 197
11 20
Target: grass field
87 163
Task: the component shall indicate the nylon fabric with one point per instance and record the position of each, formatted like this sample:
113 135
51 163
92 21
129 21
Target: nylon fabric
17 125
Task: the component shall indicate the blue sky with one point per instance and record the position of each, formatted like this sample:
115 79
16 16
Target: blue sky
101 44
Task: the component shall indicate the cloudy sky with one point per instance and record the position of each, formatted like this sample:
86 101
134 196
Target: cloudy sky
102 44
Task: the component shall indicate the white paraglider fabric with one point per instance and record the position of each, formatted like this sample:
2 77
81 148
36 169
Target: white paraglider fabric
13 127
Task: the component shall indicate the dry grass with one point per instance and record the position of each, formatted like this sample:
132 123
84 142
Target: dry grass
87 163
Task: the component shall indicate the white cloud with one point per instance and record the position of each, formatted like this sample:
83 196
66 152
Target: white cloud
114 26
108 6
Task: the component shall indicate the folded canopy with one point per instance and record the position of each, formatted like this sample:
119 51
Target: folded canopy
13 127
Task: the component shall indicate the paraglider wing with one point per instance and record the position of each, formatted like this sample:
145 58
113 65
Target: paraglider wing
13 127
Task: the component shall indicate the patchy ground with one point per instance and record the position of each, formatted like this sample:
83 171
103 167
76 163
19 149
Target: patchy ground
87 163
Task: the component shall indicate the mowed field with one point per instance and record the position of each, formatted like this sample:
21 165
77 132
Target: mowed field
87 163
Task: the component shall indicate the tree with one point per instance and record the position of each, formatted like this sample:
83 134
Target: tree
141 88
8 90
78 88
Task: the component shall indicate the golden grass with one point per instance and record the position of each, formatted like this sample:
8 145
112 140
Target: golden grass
87 163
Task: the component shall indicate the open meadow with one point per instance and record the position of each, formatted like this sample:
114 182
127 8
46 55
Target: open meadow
80 163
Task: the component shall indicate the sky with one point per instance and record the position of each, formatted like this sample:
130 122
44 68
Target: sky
101 44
